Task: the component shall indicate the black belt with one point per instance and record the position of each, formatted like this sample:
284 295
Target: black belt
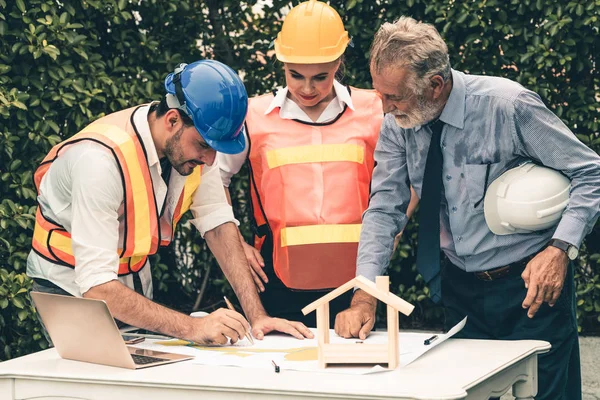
503 271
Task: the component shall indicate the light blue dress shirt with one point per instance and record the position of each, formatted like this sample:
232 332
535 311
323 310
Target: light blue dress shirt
488 120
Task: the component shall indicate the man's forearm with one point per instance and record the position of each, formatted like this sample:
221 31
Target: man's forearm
224 242
228 195
136 310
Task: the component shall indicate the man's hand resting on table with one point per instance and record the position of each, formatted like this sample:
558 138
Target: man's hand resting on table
358 320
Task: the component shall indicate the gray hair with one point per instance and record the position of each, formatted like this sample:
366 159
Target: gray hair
410 44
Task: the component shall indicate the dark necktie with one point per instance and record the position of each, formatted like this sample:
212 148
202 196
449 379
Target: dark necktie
428 250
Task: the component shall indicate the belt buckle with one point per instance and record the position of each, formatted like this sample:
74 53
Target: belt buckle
487 276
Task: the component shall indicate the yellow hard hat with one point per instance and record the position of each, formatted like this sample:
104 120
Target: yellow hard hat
312 33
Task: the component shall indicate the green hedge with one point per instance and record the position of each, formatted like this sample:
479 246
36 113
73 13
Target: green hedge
64 64
21 332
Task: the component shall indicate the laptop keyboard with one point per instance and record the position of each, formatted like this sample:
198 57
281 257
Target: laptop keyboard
143 360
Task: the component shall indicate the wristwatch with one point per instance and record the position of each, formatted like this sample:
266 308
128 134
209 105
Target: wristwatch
572 251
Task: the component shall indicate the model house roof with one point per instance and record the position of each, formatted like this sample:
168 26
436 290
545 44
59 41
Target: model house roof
368 286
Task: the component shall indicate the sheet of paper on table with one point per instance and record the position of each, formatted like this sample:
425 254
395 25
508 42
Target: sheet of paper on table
300 355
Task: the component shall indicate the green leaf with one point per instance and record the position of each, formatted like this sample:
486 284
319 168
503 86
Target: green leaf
21 5
22 315
53 125
20 105
82 53
17 302
68 69
15 164
6 243
28 194
462 17
52 51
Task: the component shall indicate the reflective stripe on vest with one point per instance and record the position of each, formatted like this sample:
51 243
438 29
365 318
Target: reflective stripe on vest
141 221
312 183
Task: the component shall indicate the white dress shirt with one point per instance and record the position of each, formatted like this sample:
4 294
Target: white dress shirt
230 164
82 191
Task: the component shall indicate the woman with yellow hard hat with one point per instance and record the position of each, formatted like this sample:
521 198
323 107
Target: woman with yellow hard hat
310 157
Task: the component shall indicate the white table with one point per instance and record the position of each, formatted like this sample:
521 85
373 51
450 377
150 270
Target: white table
457 369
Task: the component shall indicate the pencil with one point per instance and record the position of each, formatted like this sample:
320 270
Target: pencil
230 306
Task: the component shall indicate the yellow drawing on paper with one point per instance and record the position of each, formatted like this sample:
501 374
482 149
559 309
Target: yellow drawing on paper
291 354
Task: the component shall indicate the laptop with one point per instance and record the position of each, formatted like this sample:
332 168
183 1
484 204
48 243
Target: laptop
84 330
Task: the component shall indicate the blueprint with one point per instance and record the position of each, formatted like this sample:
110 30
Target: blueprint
301 355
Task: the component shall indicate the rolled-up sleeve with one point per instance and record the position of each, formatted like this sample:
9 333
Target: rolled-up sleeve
390 196
97 194
209 205
543 136
230 164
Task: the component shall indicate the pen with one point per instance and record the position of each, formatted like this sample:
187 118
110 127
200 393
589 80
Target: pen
230 306
430 340
276 366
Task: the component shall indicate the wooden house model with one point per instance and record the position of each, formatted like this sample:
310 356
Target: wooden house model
360 353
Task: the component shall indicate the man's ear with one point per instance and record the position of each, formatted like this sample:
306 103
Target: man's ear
172 119
437 85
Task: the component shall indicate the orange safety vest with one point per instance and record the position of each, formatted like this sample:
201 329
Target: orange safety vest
142 232
310 184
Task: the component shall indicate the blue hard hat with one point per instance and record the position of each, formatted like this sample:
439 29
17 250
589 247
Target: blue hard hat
215 98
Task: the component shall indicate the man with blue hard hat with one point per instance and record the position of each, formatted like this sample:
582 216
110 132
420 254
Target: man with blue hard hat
113 193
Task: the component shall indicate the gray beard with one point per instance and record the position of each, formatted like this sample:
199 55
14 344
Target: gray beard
425 112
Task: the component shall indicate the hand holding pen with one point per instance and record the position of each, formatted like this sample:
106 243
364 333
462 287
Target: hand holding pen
230 306
217 328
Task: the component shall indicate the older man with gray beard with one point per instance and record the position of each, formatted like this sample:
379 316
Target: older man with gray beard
450 135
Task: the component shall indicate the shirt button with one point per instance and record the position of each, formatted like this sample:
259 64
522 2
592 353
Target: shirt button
459 238
448 177
454 209
462 175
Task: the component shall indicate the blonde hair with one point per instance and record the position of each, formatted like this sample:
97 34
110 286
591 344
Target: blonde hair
410 44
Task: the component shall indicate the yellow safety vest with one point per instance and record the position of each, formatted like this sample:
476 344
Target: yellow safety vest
142 232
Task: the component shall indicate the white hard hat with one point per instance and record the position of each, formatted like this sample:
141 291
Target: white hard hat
525 199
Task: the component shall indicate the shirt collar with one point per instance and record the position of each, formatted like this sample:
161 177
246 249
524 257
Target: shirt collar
454 110
342 95
140 122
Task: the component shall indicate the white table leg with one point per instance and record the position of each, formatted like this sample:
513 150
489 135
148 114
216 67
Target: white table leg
527 389
521 376
7 389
